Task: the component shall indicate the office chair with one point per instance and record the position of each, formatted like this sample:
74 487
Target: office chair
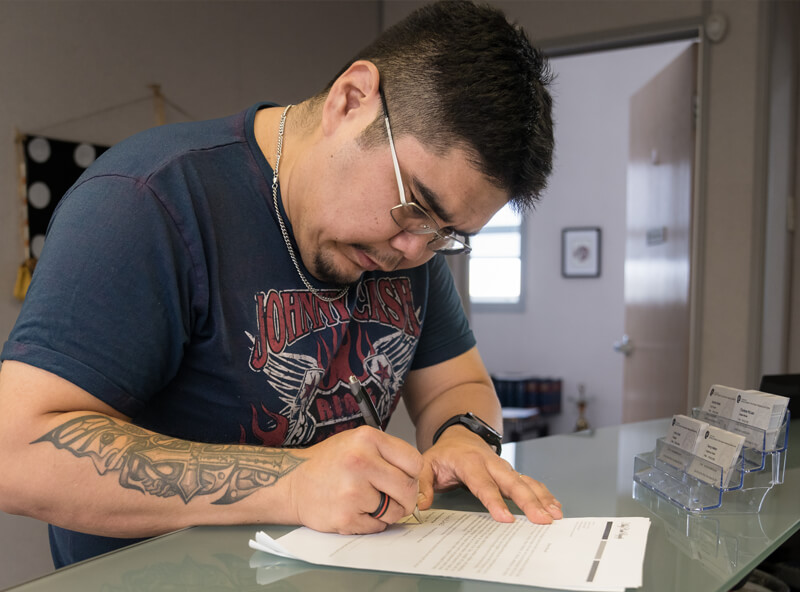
787 385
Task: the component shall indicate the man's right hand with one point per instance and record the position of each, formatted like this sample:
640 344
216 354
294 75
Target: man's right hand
341 480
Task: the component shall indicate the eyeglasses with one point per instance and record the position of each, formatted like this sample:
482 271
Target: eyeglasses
412 217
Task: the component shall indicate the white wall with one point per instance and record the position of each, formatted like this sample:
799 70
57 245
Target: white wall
569 325
61 60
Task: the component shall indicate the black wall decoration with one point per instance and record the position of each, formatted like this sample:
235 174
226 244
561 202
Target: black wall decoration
51 167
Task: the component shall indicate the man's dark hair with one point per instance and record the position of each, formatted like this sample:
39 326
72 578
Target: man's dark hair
458 74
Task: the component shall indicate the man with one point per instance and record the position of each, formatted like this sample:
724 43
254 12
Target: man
206 291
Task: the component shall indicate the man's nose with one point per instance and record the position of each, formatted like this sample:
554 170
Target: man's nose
412 246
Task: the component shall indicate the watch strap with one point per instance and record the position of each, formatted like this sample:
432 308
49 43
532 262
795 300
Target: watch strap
476 425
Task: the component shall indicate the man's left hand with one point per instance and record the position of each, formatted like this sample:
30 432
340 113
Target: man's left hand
461 457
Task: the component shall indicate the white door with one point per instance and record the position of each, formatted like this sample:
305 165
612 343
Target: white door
657 254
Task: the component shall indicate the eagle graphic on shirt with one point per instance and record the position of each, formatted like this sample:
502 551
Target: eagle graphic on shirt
308 348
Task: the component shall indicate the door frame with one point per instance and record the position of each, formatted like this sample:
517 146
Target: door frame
688 31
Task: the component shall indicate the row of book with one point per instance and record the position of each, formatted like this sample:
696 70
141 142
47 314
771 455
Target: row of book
541 393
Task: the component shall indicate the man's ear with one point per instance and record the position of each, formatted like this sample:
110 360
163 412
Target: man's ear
353 98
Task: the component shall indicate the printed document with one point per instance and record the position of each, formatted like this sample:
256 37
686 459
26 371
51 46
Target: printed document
570 554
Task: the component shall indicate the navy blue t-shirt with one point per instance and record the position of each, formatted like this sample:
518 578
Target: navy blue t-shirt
166 290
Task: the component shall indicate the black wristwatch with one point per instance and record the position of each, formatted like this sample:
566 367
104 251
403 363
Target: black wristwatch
475 424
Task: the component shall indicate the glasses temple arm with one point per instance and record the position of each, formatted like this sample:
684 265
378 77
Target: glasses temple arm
394 161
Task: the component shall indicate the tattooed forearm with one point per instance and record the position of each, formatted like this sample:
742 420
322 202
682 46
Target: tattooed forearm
166 467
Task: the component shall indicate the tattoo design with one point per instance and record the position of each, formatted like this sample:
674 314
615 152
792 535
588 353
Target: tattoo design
164 466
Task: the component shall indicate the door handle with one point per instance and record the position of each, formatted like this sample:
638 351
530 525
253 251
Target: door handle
624 346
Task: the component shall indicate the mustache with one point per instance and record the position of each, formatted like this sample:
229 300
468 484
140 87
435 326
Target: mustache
384 261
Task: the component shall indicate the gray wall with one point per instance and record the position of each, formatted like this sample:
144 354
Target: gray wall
62 60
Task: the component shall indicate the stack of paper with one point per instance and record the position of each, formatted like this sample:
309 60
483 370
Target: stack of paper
571 554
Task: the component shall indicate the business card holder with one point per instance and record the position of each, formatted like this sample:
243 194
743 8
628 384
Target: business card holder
697 485
723 546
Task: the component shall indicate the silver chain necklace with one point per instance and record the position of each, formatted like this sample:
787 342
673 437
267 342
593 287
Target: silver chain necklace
288 242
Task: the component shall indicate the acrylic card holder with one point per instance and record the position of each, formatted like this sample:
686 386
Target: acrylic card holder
723 546
696 484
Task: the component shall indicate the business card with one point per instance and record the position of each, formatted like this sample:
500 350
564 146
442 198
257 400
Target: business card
721 400
717 452
761 410
685 431
764 413
755 415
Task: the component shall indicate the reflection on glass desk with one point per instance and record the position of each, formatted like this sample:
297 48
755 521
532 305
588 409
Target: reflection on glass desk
590 473
523 423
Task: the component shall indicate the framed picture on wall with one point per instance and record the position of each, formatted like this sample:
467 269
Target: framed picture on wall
580 252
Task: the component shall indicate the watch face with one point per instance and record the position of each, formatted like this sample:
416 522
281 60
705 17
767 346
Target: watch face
484 430
478 424
473 422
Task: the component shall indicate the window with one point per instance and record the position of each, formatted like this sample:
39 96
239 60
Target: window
495 264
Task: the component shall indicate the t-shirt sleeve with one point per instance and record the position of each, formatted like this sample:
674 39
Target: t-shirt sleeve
445 329
110 306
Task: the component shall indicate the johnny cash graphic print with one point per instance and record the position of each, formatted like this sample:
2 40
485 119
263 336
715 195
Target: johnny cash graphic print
307 349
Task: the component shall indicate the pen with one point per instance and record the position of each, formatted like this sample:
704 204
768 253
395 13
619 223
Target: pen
371 417
365 403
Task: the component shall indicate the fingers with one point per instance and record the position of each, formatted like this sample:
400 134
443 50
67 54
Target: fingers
499 482
531 496
356 482
426 487
388 511
492 480
540 491
398 453
395 472
489 492
371 521
383 505
384 511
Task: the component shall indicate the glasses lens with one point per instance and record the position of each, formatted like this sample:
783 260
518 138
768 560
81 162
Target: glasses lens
411 218
449 245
